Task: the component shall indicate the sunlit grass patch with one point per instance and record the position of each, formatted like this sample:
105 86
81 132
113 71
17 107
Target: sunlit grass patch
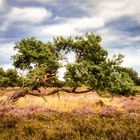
69 102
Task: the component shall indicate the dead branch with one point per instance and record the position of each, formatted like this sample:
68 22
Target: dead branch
22 93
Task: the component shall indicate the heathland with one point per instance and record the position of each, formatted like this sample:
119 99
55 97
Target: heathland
70 116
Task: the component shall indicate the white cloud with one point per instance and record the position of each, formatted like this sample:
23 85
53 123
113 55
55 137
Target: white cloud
28 14
100 12
2 5
6 51
111 9
42 1
57 30
136 38
72 26
86 23
6 66
110 37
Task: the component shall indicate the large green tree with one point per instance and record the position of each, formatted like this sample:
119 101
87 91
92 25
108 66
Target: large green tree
38 59
91 68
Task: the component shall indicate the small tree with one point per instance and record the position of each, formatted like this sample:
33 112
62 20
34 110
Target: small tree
131 72
9 78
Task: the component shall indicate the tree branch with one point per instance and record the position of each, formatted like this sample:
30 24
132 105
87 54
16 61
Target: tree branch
21 93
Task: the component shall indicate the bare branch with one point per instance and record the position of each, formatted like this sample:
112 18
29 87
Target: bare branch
22 93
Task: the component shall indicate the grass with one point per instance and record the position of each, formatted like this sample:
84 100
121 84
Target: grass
69 102
72 117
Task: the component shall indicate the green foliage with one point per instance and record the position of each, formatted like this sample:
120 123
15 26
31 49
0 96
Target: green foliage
38 58
34 53
138 81
9 78
92 67
131 72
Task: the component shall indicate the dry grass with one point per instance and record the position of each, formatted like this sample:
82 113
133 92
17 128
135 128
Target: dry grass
69 102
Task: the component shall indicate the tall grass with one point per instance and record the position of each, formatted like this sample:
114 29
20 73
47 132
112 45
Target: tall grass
69 102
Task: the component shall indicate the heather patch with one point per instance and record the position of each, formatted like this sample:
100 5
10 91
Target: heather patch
63 125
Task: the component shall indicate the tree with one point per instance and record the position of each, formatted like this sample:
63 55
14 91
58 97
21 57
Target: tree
138 81
131 72
92 67
9 78
39 59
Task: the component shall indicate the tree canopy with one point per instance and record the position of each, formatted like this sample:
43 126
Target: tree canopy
92 67
39 59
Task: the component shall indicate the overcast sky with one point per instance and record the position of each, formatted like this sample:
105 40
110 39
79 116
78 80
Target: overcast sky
116 21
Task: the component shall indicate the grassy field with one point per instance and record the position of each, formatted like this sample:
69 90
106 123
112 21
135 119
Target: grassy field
79 117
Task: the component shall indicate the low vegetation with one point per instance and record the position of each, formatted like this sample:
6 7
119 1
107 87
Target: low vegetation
72 116
57 126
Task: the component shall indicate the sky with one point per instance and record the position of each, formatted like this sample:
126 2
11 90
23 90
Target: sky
116 21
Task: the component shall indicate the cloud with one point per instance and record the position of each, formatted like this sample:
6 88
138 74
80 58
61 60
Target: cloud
2 5
29 14
41 1
118 40
6 51
6 66
26 15
110 9
44 1
72 26
99 14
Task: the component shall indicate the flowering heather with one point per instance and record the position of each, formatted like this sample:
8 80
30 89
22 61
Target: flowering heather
68 126
86 116
84 111
109 111
29 110
32 109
